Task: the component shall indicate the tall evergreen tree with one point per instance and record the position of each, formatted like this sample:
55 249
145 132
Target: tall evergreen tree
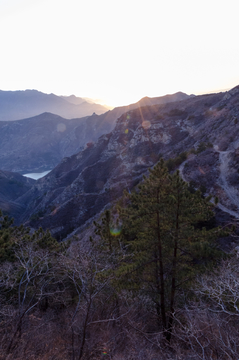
163 240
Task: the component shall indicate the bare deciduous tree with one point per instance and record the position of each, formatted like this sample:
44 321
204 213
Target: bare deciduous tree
209 326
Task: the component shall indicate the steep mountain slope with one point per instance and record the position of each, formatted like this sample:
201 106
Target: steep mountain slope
15 105
114 114
83 184
12 186
147 101
39 143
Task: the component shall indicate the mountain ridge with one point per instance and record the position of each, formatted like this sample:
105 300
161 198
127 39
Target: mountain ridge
21 104
82 185
39 143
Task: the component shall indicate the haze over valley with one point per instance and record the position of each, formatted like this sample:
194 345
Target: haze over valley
93 159
16 105
119 180
39 143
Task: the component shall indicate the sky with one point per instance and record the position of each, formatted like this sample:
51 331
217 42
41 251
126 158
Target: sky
119 51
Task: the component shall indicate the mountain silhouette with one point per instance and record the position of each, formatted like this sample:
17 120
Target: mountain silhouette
17 105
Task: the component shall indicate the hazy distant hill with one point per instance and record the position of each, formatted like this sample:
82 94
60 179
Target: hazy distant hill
66 200
112 115
147 101
75 191
75 99
39 143
16 105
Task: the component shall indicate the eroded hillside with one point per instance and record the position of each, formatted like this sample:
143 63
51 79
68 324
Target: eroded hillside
82 185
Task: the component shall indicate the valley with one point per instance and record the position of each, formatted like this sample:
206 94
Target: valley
119 180
82 185
39 143
74 274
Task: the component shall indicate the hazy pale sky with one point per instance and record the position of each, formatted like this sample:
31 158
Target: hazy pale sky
119 50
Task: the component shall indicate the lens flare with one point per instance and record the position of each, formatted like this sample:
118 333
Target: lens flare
104 352
201 170
115 231
61 127
146 124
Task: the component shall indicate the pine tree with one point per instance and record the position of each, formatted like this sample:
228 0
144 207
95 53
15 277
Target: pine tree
9 234
163 239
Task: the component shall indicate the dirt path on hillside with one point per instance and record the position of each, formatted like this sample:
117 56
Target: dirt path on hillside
231 192
181 168
224 209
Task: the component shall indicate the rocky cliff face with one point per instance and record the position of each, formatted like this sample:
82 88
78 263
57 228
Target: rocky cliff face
82 185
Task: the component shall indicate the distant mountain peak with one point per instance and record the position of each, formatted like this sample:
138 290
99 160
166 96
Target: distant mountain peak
178 96
22 104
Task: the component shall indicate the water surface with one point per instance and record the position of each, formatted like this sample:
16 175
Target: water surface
37 176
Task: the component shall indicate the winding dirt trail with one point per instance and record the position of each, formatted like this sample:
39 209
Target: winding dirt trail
181 167
231 212
231 192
